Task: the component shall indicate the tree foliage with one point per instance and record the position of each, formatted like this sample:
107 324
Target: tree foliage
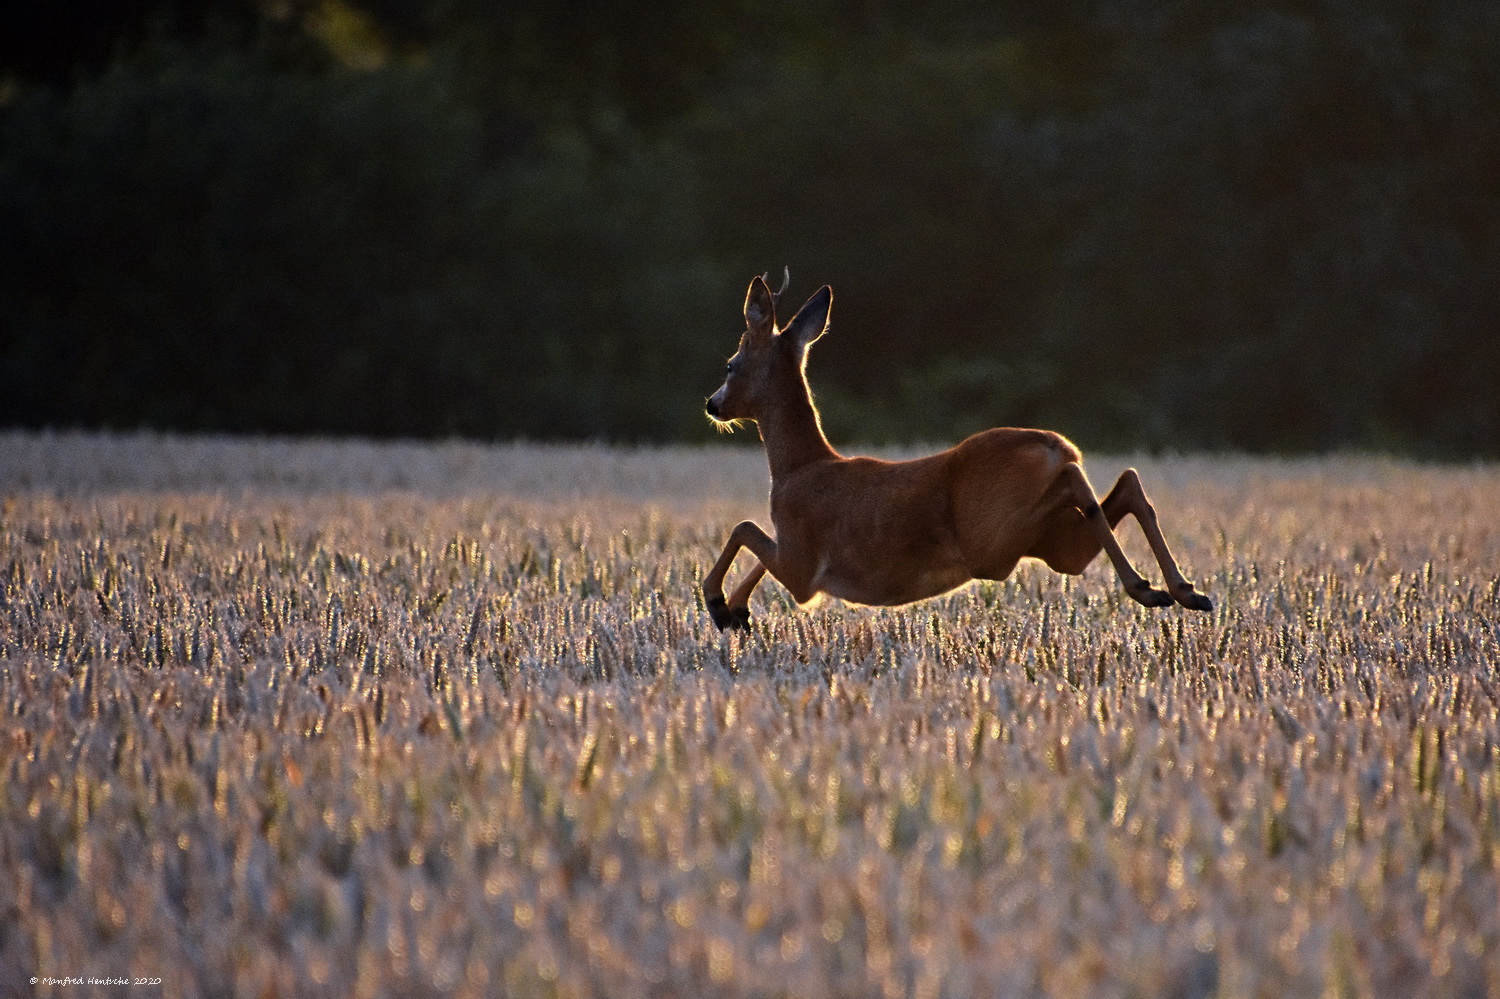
1255 225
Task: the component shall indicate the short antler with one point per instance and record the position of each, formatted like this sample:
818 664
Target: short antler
786 279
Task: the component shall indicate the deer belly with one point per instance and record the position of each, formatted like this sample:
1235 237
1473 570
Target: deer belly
887 588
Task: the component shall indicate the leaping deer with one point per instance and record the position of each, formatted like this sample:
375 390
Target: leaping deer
890 532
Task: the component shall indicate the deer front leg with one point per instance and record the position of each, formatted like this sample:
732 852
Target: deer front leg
746 534
739 600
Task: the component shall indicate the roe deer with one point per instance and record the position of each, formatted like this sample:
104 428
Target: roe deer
889 532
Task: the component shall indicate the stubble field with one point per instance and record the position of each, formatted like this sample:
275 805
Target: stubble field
323 719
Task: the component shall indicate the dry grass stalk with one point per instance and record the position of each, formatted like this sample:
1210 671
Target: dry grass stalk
341 719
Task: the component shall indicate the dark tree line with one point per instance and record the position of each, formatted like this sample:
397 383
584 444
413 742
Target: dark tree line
1269 226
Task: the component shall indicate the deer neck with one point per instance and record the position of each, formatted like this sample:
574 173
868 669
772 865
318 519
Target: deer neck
792 433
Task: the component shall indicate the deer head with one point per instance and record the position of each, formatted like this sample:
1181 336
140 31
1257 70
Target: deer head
767 370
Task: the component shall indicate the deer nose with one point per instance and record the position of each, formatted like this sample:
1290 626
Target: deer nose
712 407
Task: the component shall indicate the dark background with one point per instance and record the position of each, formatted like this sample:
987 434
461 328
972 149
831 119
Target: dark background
1229 225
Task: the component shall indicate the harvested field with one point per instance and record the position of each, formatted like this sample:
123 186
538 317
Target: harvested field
341 719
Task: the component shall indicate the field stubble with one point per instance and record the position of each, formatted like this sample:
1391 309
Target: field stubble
313 718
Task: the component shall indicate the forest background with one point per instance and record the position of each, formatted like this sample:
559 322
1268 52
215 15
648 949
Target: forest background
1264 226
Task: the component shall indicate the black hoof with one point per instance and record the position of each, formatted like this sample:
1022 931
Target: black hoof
718 609
739 618
1144 593
1193 600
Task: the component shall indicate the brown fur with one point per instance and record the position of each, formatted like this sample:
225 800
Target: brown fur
891 532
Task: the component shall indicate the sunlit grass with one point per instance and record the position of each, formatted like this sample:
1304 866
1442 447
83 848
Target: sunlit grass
348 719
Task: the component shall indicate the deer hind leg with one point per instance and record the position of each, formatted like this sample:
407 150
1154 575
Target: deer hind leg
1071 545
1083 527
736 613
1130 496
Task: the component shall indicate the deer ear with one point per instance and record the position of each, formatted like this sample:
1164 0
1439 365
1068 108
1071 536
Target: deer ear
760 308
811 321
